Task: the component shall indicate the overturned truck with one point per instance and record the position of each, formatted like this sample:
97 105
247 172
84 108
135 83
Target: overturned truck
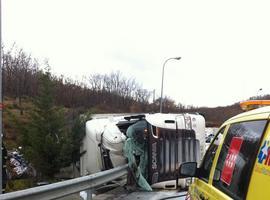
154 146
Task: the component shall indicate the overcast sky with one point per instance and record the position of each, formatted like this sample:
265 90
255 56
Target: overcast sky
224 45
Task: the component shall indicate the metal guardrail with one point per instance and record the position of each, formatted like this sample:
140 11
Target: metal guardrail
64 188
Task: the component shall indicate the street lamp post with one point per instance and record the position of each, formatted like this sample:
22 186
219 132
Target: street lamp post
1 102
259 90
161 96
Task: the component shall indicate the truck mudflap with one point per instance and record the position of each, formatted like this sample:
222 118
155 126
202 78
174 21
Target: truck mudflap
167 150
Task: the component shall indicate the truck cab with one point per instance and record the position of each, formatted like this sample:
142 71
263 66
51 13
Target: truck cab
169 140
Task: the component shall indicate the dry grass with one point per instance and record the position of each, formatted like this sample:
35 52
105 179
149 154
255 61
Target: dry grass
12 115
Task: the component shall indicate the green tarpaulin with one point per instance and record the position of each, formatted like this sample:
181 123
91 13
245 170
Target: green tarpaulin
135 149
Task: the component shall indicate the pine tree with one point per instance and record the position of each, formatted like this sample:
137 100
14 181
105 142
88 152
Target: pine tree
46 140
77 134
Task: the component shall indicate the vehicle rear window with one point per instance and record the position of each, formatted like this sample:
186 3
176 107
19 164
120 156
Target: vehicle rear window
237 157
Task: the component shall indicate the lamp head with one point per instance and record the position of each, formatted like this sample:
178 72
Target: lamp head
177 58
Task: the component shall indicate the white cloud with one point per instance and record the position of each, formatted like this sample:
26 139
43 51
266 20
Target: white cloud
224 45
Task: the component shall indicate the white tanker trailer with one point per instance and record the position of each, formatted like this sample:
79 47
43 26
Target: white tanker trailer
158 142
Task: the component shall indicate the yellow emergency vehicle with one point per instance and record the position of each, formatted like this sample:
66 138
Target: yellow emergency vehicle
237 163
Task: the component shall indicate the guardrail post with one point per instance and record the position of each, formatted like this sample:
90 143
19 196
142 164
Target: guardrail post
89 194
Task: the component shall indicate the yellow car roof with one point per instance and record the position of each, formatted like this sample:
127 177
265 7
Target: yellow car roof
256 114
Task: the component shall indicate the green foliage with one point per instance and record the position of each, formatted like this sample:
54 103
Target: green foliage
46 140
20 184
78 132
